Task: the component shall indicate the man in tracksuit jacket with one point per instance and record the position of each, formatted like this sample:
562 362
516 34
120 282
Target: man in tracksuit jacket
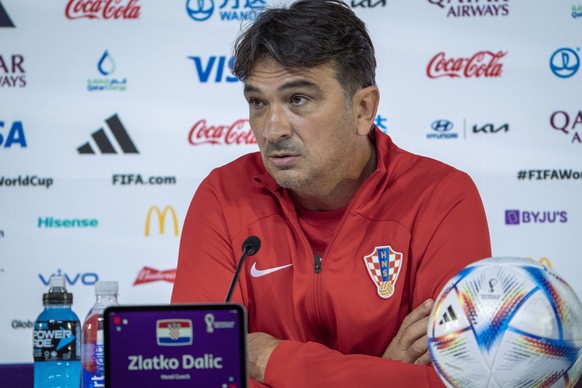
358 236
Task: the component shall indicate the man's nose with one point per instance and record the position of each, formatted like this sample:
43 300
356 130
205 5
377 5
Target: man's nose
277 125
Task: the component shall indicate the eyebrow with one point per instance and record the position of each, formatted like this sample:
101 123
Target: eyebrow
301 83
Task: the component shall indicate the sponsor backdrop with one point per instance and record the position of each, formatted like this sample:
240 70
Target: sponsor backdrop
113 111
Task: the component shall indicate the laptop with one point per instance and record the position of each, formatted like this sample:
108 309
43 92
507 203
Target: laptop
183 345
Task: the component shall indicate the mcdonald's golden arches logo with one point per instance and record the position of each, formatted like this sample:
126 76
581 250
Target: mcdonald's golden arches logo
162 219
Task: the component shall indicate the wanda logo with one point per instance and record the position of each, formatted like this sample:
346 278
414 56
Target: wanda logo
236 133
482 64
102 9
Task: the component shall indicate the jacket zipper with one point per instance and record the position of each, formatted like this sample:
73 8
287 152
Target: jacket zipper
317 263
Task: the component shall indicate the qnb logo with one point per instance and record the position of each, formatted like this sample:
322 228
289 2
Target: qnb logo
104 144
229 10
14 136
220 67
517 217
570 125
161 216
367 3
12 73
237 133
102 9
565 62
459 8
490 128
482 64
442 130
5 20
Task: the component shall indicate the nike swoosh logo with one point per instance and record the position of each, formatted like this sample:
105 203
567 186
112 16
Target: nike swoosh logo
257 273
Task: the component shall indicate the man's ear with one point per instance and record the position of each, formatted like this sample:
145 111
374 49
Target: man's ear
365 102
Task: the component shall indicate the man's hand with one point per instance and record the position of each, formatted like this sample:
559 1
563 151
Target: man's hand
259 349
410 344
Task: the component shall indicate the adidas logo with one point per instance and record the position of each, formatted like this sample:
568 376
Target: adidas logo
4 18
104 144
448 316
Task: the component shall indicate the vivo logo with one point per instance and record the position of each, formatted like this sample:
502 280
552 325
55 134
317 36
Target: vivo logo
87 279
219 68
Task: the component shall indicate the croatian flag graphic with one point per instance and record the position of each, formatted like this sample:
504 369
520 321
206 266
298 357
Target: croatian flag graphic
174 332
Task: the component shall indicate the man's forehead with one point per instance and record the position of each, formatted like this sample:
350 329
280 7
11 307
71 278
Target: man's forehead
268 70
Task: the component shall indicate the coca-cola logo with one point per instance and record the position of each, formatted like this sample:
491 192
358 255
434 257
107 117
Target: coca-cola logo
149 275
102 9
237 133
482 64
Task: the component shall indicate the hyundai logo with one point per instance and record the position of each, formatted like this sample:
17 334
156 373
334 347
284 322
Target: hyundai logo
442 125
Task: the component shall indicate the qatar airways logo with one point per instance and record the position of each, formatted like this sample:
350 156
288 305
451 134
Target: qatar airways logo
102 9
460 8
237 133
482 64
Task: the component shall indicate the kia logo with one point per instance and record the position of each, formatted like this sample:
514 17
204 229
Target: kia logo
442 125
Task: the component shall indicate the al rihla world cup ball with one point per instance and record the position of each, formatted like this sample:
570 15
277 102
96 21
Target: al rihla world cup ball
506 322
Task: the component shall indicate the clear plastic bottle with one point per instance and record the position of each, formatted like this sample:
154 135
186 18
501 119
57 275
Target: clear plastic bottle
57 339
93 347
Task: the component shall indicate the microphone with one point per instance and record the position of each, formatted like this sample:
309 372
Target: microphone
250 246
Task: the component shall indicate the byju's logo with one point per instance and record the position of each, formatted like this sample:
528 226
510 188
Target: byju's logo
368 3
104 144
14 136
106 66
12 73
517 217
565 62
229 10
221 67
568 124
459 8
442 130
5 20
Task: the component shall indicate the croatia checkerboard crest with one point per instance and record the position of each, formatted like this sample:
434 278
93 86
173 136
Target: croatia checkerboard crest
383 266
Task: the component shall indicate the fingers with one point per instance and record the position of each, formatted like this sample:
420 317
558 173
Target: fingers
410 344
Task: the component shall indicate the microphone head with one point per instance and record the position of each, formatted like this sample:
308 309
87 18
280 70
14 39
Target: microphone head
251 245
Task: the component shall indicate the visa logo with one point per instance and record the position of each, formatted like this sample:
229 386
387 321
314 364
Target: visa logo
14 136
214 69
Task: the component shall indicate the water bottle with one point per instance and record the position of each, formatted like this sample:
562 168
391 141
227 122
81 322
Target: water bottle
57 339
93 347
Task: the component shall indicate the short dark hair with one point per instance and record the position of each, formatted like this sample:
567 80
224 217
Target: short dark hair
310 33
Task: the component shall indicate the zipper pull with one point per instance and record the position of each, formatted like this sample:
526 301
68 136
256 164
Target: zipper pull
317 263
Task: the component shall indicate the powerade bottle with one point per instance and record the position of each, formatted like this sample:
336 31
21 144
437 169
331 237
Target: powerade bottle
57 340
93 347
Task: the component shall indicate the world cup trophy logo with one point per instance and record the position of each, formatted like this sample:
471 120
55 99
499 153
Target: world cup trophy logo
383 266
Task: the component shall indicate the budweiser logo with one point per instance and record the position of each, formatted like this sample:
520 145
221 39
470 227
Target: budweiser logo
238 132
482 64
149 275
102 9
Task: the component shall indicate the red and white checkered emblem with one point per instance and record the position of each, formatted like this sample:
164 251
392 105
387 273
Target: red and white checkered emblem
383 266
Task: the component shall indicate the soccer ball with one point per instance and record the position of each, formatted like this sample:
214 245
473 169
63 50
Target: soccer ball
506 322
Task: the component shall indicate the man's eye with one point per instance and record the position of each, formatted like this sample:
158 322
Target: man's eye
255 103
298 100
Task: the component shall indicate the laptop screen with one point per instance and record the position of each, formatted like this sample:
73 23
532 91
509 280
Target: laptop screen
175 346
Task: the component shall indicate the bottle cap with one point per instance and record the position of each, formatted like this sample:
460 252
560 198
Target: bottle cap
106 288
57 293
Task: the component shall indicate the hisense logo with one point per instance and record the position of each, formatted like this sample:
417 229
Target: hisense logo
51 222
